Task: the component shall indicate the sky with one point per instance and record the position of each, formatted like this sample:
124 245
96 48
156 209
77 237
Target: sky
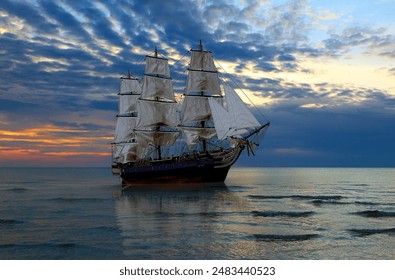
322 72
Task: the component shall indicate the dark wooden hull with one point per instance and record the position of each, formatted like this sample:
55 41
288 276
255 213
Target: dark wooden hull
182 175
201 169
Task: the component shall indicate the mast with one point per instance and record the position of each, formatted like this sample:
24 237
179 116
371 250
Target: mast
158 118
203 123
202 84
157 128
124 146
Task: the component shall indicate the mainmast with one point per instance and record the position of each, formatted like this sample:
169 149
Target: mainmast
157 106
157 128
203 123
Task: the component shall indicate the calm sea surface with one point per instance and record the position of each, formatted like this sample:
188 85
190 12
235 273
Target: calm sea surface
267 213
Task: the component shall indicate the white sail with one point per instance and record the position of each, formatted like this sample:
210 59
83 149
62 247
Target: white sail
152 113
220 117
124 131
129 85
157 66
146 138
202 60
200 81
128 94
123 149
214 122
194 134
157 87
240 116
126 152
236 119
203 75
195 108
127 103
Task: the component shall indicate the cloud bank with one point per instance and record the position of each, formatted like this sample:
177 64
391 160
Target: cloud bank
329 92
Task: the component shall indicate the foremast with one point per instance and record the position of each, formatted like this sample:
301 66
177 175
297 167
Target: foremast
202 84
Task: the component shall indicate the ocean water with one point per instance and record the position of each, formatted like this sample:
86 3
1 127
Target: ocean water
262 213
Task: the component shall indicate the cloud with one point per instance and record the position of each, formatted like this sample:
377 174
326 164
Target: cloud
31 16
324 137
60 62
373 39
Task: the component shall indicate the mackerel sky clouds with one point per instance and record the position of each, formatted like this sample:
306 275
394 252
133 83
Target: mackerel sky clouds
323 73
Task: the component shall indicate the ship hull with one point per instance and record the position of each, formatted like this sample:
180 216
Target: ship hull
206 169
202 174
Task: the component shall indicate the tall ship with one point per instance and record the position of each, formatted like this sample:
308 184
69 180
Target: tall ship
189 137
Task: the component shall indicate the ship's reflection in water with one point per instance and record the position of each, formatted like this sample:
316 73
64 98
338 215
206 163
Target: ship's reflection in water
201 222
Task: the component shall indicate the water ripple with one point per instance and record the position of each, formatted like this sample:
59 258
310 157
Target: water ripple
301 197
9 222
366 232
284 214
291 237
374 214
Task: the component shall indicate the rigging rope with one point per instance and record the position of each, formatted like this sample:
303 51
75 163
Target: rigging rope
252 103
180 74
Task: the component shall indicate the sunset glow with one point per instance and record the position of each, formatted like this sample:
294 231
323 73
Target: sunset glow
321 71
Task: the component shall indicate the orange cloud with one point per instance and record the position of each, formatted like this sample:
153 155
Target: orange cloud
102 154
52 144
